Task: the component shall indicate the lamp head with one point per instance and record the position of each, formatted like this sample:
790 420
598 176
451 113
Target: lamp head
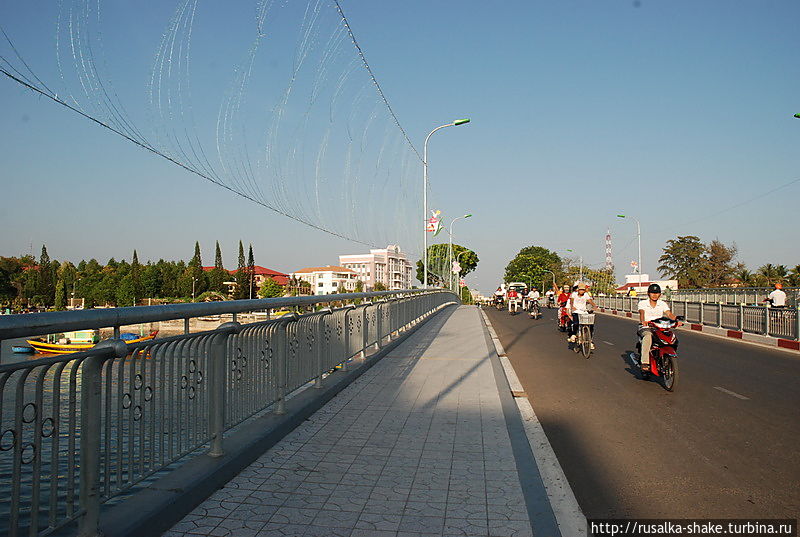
620 216
467 215
796 115
460 121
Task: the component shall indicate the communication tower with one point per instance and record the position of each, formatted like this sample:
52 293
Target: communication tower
609 260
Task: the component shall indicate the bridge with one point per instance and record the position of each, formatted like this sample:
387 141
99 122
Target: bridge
387 413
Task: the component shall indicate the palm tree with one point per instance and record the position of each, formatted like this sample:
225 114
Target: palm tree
794 276
773 273
746 277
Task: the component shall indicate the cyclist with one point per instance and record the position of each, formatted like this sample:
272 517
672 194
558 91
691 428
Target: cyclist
578 303
650 309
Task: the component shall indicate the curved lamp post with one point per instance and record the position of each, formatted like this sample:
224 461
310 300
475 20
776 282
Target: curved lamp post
425 197
450 248
639 239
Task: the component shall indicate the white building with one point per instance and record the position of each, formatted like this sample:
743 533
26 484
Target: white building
389 266
632 283
328 279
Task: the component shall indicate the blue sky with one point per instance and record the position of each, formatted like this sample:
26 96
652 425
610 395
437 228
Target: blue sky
668 111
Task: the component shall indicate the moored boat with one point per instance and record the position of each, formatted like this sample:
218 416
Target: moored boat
80 342
22 349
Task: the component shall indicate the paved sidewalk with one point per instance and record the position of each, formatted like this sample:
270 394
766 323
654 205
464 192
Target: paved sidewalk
416 446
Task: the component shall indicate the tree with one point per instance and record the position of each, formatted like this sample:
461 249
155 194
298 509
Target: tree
439 266
773 274
271 289
217 277
720 267
745 277
531 265
46 288
251 273
794 276
685 260
60 300
379 287
241 276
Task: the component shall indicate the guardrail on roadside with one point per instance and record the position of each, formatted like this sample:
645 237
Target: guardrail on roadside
732 295
762 320
78 430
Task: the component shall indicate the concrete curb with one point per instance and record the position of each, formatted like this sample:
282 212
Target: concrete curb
156 508
569 516
744 337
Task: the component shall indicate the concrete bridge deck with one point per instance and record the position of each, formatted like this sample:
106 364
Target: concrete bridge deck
428 442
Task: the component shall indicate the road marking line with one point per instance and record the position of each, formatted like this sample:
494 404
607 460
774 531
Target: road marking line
607 342
739 396
570 518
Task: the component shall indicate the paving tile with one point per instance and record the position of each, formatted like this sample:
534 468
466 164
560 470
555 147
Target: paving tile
388 507
376 522
511 528
466 527
336 519
282 530
423 524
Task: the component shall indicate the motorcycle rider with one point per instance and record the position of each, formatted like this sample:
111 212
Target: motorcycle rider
533 296
513 300
650 309
777 298
498 296
551 297
578 303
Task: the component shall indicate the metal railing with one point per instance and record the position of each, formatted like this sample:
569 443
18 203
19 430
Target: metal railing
80 429
768 321
732 295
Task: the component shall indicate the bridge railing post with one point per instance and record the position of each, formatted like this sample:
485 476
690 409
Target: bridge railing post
217 383
322 347
282 363
91 427
766 320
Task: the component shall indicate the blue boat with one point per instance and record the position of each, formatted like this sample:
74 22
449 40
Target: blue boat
21 349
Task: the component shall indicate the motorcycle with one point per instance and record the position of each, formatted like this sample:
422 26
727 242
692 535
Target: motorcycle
533 308
663 352
513 306
551 302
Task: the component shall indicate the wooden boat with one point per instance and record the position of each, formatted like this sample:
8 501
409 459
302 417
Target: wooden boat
76 346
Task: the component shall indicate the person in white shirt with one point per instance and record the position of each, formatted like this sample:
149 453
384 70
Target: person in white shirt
533 295
579 303
650 309
551 297
777 298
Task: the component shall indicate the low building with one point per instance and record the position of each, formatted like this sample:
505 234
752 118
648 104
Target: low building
633 283
388 266
261 274
328 280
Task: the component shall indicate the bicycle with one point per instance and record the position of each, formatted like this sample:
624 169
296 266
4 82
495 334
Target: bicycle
583 342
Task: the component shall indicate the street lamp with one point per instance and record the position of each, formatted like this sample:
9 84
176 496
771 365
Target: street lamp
797 116
425 197
554 279
580 257
450 248
193 280
639 238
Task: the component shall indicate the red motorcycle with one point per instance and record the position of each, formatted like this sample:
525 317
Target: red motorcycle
663 352
564 318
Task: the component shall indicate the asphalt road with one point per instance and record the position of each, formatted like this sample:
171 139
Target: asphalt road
725 444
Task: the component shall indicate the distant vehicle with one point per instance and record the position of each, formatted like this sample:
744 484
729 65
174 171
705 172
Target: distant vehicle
516 286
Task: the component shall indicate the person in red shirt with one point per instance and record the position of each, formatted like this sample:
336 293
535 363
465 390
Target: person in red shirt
563 315
513 301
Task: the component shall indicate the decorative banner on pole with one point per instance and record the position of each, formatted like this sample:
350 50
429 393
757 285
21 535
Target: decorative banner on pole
434 224
462 283
634 265
456 267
